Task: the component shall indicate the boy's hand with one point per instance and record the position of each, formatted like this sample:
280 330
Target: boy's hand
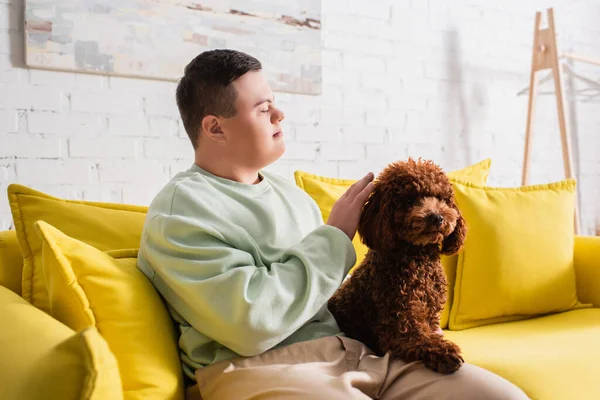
345 213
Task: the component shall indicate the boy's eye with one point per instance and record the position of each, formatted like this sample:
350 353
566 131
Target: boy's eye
265 111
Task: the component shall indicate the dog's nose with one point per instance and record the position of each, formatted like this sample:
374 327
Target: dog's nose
436 219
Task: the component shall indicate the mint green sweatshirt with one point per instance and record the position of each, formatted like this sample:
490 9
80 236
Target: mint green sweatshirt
243 268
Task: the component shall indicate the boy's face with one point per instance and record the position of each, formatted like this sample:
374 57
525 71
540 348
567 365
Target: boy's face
254 136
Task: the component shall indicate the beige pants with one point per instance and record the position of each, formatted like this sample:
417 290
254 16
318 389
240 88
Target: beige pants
335 368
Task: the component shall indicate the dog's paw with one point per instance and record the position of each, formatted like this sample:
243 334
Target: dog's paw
449 364
445 360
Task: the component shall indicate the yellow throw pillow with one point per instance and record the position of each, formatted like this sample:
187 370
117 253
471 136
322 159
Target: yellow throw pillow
88 287
11 261
326 190
477 173
106 226
517 261
44 359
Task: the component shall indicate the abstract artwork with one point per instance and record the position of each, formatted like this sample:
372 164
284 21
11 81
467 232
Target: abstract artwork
156 39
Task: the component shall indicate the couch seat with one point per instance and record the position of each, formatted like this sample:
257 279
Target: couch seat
551 357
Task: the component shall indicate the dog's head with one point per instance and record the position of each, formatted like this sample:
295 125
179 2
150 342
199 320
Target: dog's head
413 202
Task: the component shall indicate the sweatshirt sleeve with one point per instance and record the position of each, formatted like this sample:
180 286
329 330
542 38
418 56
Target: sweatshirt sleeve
223 294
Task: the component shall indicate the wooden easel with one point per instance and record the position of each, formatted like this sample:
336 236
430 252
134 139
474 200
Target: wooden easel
545 56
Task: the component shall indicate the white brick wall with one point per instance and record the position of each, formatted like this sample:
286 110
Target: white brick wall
65 124
103 147
106 102
437 79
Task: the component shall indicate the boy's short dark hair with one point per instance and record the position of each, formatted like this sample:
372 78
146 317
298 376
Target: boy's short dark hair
206 88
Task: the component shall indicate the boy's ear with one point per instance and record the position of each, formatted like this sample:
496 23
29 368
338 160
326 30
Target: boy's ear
211 127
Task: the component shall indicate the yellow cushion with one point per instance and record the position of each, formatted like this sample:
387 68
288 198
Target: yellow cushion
88 287
105 226
11 261
326 190
517 260
552 357
476 173
40 358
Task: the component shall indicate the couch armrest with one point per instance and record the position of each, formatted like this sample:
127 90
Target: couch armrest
587 269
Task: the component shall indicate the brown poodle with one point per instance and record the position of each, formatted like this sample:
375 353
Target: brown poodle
392 301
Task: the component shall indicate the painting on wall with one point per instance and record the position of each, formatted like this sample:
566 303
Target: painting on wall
156 39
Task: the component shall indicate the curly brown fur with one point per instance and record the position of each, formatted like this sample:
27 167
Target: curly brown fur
392 302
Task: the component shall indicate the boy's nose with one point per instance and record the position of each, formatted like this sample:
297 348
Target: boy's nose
278 115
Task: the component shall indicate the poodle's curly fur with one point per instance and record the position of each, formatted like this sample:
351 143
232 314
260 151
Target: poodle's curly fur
392 301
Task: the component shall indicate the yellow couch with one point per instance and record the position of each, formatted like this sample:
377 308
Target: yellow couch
550 357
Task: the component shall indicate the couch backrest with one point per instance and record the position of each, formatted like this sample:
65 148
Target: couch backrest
11 261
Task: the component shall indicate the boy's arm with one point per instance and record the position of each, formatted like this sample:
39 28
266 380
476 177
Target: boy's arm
223 294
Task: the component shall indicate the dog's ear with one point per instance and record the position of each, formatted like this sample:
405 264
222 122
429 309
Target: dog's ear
453 243
375 226
367 228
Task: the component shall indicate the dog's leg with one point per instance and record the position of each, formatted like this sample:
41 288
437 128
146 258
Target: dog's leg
353 308
437 353
409 339
437 297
